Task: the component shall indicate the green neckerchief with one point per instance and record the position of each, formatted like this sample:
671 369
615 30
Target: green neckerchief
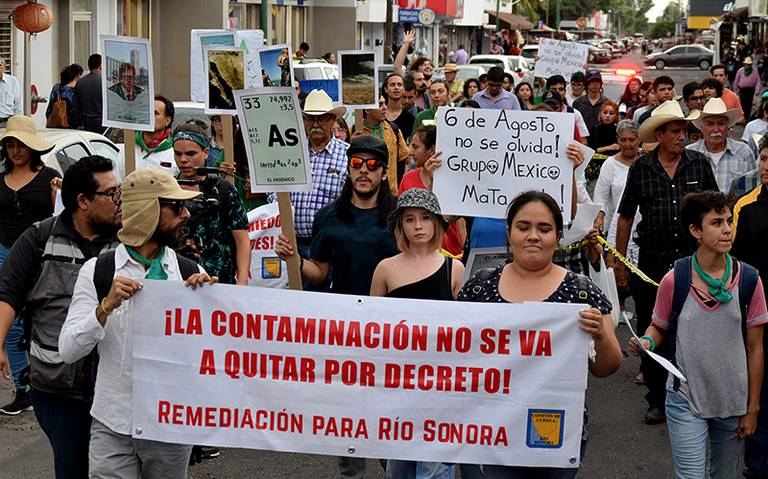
155 270
166 144
717 287
376 131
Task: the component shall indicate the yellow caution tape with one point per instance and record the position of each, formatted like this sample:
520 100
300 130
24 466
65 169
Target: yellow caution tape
599 156
626 262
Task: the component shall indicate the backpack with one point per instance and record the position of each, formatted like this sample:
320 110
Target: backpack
59 117
747 284
104 271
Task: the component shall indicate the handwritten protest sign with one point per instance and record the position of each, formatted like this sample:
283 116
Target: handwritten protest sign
276 144
557 57
359 376
489 156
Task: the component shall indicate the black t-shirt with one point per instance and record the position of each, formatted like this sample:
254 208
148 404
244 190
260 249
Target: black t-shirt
353 249
405 123
31 203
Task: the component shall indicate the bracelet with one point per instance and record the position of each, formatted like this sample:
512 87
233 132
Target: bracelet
650 340
104 309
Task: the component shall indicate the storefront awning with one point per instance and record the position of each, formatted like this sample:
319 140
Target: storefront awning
737 14
510 21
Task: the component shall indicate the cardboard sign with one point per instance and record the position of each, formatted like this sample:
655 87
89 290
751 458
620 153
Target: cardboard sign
127 84
490 156
357 376
276 145
558 57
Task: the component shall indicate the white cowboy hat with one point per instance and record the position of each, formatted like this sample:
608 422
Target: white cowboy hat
756 138
666 112
319 103
23 128
716 107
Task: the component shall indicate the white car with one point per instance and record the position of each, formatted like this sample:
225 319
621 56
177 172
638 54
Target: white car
310 69
72 145
517 66
465 72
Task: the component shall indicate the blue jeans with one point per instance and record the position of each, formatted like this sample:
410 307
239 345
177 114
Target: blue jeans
756 445
476 471
17 357
690 435
67 423
419 470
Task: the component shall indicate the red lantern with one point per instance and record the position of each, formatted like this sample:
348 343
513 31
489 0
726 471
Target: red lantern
32 17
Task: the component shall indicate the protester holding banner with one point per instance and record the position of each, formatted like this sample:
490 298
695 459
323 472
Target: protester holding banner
418 272
534 227
655 186
153 216
709 301
39 282
218 233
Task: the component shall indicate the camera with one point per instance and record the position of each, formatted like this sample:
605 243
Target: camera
201 210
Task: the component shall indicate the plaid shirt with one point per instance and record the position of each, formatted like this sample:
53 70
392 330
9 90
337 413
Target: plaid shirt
329 172
660 233
745 183
736 161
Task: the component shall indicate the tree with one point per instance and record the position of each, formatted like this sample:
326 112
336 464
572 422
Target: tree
670 17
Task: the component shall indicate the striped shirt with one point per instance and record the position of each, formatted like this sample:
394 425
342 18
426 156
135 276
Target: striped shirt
329 172
734 162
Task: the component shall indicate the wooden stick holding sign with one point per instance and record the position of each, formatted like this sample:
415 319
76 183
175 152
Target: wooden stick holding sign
129 137
229 145
277 151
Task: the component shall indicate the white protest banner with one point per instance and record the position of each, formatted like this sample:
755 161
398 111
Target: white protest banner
490 156
558 57
267 269
276 146
359 376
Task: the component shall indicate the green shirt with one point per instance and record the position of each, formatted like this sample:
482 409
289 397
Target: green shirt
428 114
353 249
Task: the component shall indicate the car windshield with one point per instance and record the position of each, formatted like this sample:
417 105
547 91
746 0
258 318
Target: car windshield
490 61
529 52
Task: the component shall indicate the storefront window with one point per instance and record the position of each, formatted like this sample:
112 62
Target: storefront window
133 18
81 39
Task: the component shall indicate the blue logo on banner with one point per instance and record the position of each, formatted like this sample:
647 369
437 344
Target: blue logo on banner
545 428
408 15
331 87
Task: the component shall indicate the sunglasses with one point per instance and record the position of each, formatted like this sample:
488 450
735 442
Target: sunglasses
114 195
372 163
176 205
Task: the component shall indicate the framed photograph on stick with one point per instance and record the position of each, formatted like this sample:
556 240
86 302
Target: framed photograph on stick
198 42
276 65
127 84
225 70
358 79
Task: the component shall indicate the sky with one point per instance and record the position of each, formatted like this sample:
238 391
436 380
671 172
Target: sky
656 10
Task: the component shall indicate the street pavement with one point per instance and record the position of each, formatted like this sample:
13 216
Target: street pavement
620 444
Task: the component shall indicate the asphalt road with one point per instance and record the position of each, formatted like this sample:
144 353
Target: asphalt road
620 444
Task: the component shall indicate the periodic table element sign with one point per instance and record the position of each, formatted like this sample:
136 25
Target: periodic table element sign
275 140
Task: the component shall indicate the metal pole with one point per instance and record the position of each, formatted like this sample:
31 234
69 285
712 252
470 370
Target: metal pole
557 14
266 11
498 4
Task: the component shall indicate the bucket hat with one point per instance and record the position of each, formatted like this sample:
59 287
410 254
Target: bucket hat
417 198
23 128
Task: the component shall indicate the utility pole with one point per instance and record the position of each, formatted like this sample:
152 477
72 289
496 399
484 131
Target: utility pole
557 15
388 34
266 11
498 5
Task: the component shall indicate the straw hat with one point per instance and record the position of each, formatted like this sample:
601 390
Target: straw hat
23 128
450 67
319 103
748 61
142 191
661 115
716 107
757 138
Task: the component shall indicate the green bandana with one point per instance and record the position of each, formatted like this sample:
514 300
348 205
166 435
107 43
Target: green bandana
717 287
376 131
155 270
166 144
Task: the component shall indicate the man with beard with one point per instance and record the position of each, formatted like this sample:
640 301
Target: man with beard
375 124
409 100
39 277
729 158
655 186
153 215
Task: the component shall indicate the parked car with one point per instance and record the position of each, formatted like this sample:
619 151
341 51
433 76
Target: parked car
529 53
681 56
315 69
465 72
72 145
516 65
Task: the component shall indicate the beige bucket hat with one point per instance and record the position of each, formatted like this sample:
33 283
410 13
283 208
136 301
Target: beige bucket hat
23 128
666 112
142 191
319 103
716 107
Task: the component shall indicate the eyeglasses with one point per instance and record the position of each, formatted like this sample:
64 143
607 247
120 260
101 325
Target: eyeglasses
371 163
115 195
697 98
310 119
176 205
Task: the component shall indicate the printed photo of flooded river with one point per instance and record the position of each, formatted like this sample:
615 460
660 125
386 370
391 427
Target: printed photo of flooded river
358 78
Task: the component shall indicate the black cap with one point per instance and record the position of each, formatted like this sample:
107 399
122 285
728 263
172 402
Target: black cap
552 96
594 75
369 144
